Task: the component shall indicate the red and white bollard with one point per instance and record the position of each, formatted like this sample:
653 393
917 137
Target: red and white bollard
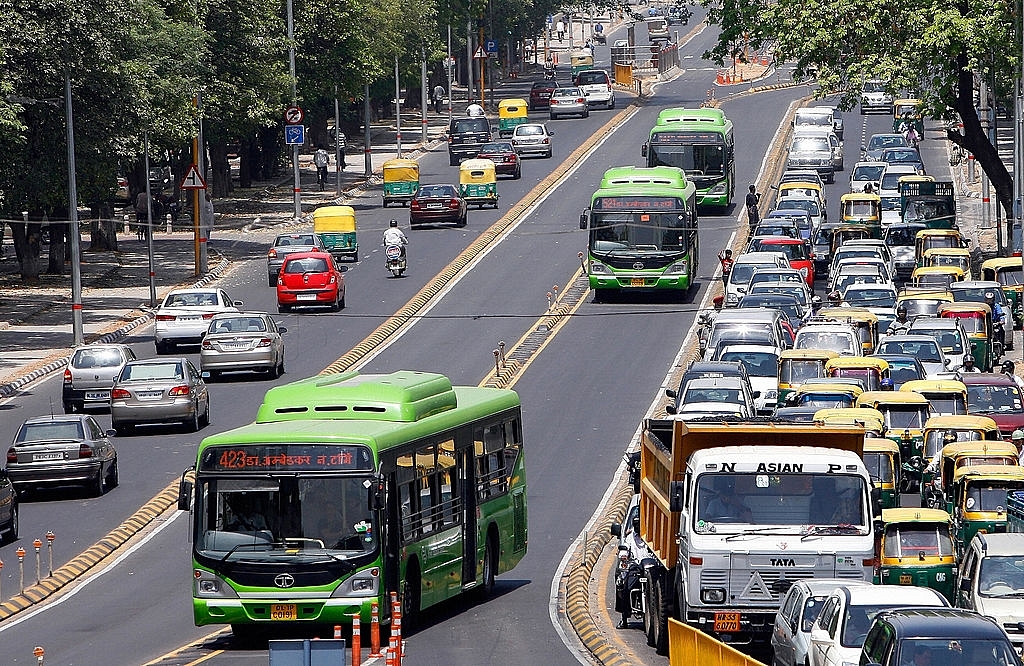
375 630
357 641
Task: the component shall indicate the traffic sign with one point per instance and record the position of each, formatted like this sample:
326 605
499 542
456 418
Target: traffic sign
294 115
480 54
193 180
294 135
491 46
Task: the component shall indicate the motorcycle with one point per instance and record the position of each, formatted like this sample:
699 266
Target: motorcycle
634 557
395 259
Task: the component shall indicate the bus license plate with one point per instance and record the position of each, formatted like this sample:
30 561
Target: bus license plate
636 282
283 612
727 622
906 580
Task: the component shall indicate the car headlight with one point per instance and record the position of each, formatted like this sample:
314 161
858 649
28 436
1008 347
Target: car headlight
596 267
712 595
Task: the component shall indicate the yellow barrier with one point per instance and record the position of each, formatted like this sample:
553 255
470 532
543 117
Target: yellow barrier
624 75
689 647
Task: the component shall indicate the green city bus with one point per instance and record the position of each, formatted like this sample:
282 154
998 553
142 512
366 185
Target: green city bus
643 230
349 487
700 142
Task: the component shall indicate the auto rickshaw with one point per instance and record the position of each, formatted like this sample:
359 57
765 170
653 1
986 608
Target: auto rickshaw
1008 272
905 415
825 396
871 419
948 397
908 111
979 500
937 482
401 180
848 232
926 239
916 549
922 302
579 61
868 370
336 226
863 209
478 182
511 112
976 319
882 458
798 366
958 257
936 277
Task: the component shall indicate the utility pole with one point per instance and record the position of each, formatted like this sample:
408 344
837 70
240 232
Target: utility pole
367 151
398 110
297 190
78 333
424 94
985 212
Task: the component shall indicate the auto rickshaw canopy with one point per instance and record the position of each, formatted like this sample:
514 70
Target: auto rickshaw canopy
915 515
337 219
860 208
871 419
976 318
879 444
991 472
855 362
905 105
1008 271
937 276
477 171
881 399
983 425
513 107
868 370
922 301
401 170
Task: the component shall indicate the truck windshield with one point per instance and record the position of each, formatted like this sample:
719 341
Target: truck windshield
779 499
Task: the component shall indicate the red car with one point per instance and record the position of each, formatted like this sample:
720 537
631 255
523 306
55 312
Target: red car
540 93
310 279
438 203
795 250
505 158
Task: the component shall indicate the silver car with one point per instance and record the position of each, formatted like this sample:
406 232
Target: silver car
286 244
184 315
243 341
568 102
89 373
61 450
159 390
532 138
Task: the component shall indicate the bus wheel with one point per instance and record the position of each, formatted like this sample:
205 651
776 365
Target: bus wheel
490 567
411 596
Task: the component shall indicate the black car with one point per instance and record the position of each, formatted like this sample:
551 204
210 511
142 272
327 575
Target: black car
465 137
702 369
794 414
936 636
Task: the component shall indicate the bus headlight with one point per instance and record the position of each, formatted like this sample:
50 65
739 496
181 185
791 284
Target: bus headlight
596 267
209 586
718 190
363 584
712 595
678 268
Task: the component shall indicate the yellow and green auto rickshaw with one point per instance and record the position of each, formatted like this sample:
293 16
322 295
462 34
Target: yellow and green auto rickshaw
336 227
922 301
401 180
947 397
825 396
868 370
905 415
936 277
927 239
799 366
862 209
1008 272
870 419
882 458
863 320
908 111
478 182
938 492
917 549
511 112
976 319
959 257
979 500
579 61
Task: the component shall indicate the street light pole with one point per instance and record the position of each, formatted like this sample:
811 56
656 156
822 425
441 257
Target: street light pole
149 230
76 266
297 190
398 110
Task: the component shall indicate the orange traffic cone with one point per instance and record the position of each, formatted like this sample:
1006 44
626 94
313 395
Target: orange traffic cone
720 78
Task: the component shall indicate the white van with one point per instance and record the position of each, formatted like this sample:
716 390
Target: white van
990 580
597 87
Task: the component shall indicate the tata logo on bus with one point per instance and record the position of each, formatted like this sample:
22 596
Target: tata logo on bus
284 580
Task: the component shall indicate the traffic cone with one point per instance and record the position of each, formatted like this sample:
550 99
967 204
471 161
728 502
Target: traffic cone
719 78
728 78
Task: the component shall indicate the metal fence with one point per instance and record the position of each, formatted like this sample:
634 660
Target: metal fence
647 59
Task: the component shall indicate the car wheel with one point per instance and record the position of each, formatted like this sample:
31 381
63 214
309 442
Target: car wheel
611 103
280 366
341 303
204 420
123 429
518 174
192 423
336 305
548 155
552 116
273 371
99 484
112 478
69 408
214 375
12 527
461 222
163 348
272 279
586 114
453 161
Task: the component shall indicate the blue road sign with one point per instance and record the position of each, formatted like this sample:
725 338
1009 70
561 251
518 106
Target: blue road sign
491 46
294 135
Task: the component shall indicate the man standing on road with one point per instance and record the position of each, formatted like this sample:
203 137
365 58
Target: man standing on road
752 200
560 29
725 257
321 159
439 94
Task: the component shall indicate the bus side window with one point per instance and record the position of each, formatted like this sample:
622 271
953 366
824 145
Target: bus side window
450 504
408 497
490 462
426 464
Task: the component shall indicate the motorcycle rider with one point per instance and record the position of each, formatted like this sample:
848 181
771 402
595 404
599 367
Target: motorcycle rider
997 317
394 236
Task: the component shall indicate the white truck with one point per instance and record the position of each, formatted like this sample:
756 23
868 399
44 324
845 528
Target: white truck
736 513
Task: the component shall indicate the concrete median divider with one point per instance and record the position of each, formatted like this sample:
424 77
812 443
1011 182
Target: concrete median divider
687 647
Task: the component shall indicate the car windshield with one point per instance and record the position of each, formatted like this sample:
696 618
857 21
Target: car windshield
880 141
567 92
1010 276
949 340
959 652
825 400
799 371
794 290
903 371
868 172
801 221
463 125
741 272
871 298
435 191
96 358
976 294
810 205
899 236
813 119
904 416
151 372
190 299
810 144
925 350
895 155
837 341
775 276
739 332
891 179
1001 576
793 251
854 252
993 399
238 325
758 364
858 621
879 466
708 394
306 265
873 87
590 77
49 430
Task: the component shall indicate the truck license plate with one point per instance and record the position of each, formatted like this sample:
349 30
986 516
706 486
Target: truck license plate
283 612
727 622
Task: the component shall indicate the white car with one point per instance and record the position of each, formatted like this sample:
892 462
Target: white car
839 337
835 144
762 364
839 632
728 395
810 205
873 97
889 190
860 265
950 335
864 173
791 636
184 315
744 266
924 347
878 244
532 139
597 87
879 299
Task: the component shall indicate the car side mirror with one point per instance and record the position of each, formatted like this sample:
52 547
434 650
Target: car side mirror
671 393
238 304
583 221
282 329
676 496
643 149
819 635
965 585
550 133
343 269
755 394
670 408
616 529
110 433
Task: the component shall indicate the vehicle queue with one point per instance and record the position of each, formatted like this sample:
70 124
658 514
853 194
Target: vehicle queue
906 341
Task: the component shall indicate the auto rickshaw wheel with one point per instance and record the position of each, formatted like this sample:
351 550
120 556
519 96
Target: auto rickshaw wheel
384 203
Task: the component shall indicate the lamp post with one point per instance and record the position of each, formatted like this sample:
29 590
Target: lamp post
297 190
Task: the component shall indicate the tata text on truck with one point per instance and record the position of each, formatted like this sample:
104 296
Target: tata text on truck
733 527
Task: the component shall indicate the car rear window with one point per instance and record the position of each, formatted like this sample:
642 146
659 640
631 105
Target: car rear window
591 77
436 191
294 239
306 265
96 358
469 125
529 130
36 432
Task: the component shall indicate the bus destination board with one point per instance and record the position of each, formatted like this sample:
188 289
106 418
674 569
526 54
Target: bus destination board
686 137
633 203
286 458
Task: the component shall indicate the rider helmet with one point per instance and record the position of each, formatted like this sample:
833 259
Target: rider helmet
887 384
394 223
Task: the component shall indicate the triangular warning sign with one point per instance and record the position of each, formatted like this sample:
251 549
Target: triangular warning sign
480 54
193 180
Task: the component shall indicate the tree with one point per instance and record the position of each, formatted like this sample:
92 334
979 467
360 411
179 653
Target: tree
932 48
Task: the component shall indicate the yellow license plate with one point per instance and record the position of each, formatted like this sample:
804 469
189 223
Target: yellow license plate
636 282
283 612
727 622
906 580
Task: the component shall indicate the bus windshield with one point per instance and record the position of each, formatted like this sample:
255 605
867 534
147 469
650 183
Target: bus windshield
262 520
645 231
702 159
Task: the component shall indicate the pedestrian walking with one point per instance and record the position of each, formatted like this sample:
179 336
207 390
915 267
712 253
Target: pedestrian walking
560 29
342 145
321 159
752 200
439 94
725 258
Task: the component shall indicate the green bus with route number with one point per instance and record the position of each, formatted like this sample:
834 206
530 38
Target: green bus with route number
643 231
701 143
348 487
